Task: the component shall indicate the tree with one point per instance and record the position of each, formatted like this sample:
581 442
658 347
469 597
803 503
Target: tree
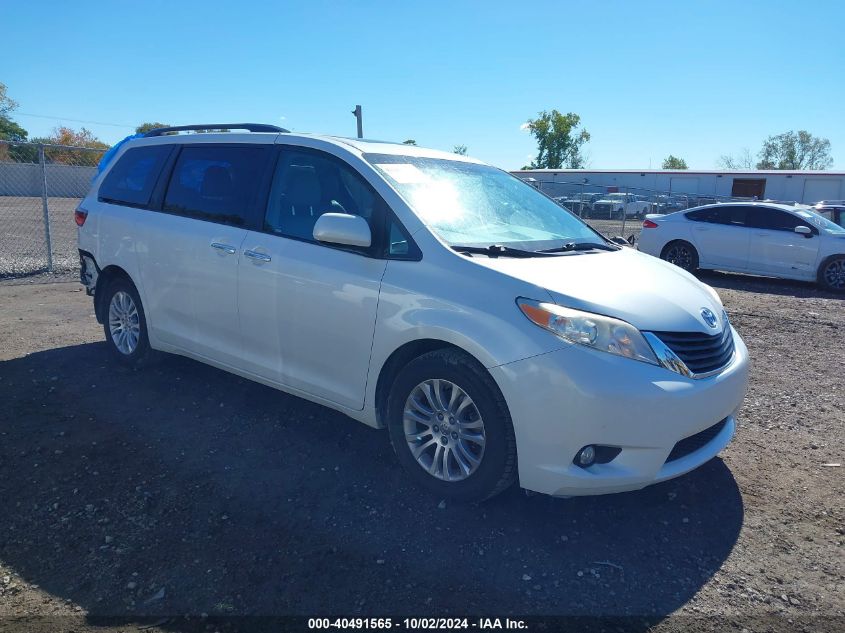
743 160
558 140
673 162
71 138
9 130
146 127
461 150
7 104
410 141
795 150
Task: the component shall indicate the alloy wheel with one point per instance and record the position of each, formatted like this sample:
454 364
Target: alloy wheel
834 274
124 322
679 255
444 430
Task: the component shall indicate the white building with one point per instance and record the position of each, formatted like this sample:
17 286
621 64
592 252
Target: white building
786 186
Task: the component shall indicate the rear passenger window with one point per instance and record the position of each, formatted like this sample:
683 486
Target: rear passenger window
728 215
133 177
732 216
306 185
215 183
776 220
702 215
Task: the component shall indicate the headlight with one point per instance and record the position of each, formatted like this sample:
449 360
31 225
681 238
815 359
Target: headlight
592 330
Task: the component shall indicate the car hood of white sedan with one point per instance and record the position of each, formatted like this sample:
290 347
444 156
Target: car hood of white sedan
647 292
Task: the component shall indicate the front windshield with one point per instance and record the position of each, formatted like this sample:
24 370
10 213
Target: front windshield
478 205
820 221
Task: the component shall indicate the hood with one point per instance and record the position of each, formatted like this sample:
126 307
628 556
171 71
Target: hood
648 293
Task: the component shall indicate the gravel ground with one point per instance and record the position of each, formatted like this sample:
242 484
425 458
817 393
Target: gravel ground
181 490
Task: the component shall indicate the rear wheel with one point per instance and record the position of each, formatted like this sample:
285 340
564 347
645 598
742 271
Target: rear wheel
450 427
832 273
125 324
682 254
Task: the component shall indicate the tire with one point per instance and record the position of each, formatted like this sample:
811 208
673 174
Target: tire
831 275
493 444
682 254
125 324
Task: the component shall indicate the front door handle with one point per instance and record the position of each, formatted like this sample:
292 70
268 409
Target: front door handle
258 257
229 250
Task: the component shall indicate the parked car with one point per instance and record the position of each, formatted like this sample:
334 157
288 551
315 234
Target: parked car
619 205
792 242
833 210
580 204
666 204
416 290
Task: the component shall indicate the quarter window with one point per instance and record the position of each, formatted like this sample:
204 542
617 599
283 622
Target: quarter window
215 183
305 186
133 177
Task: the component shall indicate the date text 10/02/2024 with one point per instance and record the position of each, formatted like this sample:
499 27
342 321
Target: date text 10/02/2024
417 623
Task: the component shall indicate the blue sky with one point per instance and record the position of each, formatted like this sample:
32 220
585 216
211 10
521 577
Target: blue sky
695 79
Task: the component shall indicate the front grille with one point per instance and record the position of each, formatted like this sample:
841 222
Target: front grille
702 353
694 442
601 207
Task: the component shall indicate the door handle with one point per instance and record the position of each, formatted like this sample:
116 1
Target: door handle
258 257
229 250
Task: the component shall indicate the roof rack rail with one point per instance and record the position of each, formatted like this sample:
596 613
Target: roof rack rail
250 127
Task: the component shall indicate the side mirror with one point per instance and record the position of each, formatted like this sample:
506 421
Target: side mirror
806 231
343 228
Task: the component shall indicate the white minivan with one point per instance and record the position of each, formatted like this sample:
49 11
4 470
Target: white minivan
494 334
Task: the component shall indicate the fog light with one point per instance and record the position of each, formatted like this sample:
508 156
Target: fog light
586 456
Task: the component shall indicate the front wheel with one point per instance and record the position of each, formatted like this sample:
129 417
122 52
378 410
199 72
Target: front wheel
832 273
125 324
450 427
682 254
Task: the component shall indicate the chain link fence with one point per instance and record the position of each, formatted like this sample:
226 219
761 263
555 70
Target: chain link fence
40 187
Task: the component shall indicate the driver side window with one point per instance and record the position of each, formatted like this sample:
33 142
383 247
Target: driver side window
305 186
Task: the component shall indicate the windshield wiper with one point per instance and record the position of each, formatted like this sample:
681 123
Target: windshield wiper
583 246
498 250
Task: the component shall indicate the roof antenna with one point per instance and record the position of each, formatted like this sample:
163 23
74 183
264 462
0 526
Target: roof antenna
360 117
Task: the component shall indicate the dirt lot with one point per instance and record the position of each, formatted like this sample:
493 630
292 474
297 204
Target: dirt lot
182 490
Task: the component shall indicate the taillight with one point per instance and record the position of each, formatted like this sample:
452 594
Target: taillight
80 215
648 224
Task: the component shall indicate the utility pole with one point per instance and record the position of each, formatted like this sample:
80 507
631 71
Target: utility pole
360 118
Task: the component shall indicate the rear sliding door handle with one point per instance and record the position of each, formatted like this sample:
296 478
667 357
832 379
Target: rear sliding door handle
229 250
259 257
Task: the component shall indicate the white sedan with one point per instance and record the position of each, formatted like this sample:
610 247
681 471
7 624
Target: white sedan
777 240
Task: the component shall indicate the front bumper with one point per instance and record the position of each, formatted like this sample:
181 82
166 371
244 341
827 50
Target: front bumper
564 400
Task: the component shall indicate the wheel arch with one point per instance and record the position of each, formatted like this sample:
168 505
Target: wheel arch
400 357
105 277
